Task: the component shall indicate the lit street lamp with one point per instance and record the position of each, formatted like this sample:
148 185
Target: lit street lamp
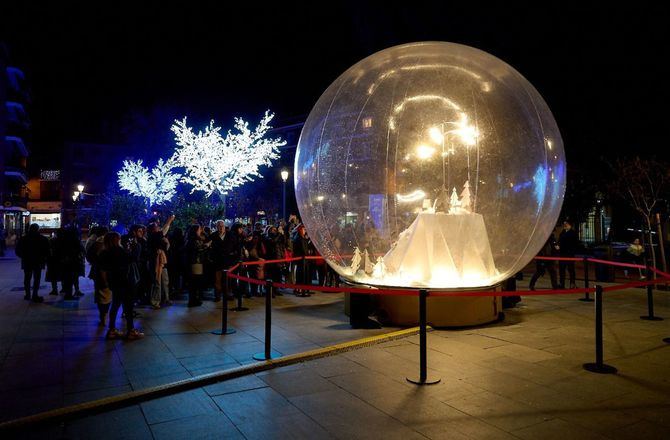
284 178
76 198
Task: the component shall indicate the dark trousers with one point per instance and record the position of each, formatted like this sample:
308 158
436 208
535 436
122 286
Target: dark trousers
542 266
121 296
67 282
321 273
195 288
570 265
302 273
36 275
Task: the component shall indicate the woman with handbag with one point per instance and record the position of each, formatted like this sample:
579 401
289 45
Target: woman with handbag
102 297
195 252
115 267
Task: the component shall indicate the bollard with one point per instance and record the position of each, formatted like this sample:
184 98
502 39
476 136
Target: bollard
239 307
599 366
423 351
268 353
650 300
225 330
587 297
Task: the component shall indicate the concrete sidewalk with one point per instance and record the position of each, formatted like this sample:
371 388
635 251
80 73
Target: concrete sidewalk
521 378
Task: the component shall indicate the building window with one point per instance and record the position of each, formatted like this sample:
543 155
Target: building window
367 122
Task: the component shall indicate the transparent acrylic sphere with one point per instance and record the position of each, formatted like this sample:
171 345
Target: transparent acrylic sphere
430 165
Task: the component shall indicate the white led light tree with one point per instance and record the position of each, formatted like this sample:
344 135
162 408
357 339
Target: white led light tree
217 164
156 186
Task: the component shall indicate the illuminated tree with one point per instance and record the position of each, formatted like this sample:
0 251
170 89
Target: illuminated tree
644 184
454 203
156 186
214 163
465 197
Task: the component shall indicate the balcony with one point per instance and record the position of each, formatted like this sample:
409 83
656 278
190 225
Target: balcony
16 146
17 116
18 91
17 174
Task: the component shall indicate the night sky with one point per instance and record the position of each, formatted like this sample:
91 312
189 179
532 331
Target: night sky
114 72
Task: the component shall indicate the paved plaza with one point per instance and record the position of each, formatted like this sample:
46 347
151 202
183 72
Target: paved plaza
521 378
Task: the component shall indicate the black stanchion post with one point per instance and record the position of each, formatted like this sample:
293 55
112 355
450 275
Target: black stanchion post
238 294
225 330
587 297
599 366
650 300
423 343
268 353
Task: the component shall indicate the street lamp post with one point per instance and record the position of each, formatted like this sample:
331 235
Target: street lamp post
75 201
284 178
77 196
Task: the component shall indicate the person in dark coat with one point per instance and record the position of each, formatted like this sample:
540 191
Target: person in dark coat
301 248
70 252
195 254
275 248
94 249
542 266
114 263
54 274
255 251
568 244
217 255
33 249
233 243
175 262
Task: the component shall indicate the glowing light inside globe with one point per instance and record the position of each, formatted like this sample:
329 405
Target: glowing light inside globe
430 165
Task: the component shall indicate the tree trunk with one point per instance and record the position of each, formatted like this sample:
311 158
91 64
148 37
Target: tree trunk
222 197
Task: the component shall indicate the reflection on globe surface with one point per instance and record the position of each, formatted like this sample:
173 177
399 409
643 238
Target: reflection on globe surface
430 165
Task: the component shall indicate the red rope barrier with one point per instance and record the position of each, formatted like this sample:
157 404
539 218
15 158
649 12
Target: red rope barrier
257 262
234 267
665 277
661 273
616 263
558 258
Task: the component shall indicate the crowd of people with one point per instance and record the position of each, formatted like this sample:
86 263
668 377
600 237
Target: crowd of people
155 264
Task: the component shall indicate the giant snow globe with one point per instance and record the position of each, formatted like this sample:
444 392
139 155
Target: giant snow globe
430 165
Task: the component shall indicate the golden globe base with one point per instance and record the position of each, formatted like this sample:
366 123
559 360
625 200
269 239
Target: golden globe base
442 311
